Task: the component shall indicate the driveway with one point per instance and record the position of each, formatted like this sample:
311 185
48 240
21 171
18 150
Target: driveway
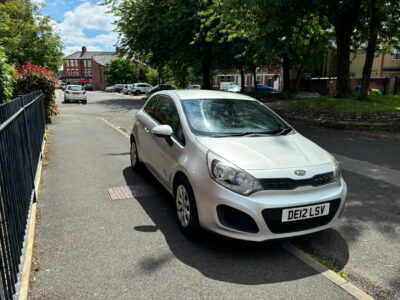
89 246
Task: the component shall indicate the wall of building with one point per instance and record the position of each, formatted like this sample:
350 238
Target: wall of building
357 64
99 78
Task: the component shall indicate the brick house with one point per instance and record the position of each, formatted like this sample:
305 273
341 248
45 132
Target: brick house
82 67
271 77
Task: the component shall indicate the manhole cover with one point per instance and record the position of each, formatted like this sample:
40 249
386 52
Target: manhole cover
132 191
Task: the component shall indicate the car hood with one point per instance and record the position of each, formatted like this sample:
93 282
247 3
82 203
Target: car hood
267 152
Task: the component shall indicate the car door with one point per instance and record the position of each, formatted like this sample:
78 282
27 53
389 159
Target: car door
144 123
167 149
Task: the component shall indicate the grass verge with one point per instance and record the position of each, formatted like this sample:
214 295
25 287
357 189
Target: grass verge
374 105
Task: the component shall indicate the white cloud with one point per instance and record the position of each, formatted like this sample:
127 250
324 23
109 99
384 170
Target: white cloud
87 16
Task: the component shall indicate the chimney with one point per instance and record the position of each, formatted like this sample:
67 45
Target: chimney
83 50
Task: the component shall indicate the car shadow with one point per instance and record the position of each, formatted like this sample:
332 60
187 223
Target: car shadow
121 104
214 256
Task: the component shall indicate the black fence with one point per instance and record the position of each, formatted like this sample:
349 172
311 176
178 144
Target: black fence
22 129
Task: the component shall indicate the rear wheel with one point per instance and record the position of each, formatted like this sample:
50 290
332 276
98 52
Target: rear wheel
186 208
84 101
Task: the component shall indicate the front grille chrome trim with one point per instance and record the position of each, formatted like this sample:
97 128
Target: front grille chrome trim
291 184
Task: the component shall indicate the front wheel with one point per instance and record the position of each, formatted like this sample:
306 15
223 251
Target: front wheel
84 101
137 93
186 208
135 163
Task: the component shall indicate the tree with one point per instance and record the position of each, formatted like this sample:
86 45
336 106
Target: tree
121 71
379 25
26 35
343 16
6 79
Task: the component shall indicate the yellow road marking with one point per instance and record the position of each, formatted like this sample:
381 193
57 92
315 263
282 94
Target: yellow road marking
115 127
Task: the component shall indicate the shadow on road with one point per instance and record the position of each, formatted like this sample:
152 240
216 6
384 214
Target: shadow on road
124 104
214 256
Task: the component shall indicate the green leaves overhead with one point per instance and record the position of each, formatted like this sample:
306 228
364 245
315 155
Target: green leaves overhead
26 35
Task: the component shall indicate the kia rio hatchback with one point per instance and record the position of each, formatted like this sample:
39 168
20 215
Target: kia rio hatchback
236 168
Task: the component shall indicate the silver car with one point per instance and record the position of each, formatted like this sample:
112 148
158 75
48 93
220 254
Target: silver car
236 168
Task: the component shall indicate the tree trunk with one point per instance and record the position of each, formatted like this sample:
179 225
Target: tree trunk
242 78
369 57
255 79
343 15
300 70
343 85
286 72
206 64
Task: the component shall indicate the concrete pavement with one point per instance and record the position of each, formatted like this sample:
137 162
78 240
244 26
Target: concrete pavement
92 247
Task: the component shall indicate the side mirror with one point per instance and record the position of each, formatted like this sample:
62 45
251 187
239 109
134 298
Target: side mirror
162 130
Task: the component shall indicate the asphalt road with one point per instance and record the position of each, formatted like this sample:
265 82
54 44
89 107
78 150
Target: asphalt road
89 246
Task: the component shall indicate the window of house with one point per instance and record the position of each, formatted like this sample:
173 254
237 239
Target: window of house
84 63
76 63
228 79
396 54
89 63
222 79
69 72
258 79
67 63
90 72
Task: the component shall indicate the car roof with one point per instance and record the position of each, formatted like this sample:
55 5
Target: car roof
205 94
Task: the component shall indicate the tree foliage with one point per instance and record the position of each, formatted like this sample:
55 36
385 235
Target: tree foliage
6 79
121 70
26 35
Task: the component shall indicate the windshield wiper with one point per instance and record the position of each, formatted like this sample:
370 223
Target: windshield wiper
284 131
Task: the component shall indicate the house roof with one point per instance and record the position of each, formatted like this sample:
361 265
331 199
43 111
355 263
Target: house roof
88 54
105 59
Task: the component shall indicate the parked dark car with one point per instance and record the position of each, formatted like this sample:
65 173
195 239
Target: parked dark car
118 88
264 88
89 87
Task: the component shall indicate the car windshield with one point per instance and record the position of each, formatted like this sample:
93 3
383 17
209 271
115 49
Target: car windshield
231 117
75 88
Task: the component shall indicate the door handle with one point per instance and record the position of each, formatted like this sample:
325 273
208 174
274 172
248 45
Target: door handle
145 129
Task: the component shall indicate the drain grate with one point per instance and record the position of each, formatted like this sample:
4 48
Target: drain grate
132 191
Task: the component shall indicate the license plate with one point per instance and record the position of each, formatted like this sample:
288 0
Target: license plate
76 93
305 212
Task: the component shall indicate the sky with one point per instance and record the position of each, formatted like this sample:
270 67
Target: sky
82 23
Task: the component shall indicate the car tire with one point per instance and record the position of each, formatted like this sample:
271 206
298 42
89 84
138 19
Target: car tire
84 101
65 100
186 208
137 93
134 156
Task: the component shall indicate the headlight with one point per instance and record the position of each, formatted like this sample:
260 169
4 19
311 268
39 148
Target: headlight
230 176
337 172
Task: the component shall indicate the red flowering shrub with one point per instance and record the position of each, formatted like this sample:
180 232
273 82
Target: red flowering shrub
31 78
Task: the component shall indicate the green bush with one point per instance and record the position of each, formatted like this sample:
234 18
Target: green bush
6 79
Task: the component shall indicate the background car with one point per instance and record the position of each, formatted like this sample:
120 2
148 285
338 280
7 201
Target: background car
193 87
127 88
110 88
118 88
75 93
160 87
89 87
264 88
140 88
233 88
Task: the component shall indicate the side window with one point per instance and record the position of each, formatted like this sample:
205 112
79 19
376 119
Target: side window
151 106
167 114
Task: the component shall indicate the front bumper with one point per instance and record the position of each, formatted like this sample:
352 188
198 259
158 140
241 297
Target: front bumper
265 207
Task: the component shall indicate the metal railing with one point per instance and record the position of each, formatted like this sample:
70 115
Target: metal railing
22 129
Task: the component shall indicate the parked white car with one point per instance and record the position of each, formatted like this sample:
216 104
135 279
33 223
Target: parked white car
235 167
75 93
140 88
233 88
194 87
